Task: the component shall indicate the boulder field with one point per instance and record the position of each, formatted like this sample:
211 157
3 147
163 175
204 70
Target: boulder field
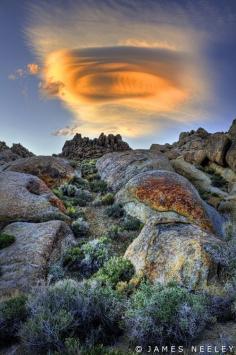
184 194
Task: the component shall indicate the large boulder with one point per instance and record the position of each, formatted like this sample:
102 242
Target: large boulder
178 252
25 262
118 168
217 145
165 191
53 171
25 197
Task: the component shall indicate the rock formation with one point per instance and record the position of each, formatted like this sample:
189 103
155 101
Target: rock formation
17 151
53 171
25 197
82 148
25 263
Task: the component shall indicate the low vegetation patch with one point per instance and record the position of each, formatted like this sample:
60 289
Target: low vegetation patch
115 211
6 240
115 270
80 227
88 257
163 315
86 311
12 314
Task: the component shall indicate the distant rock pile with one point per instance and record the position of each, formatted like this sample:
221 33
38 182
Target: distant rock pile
200 147
17 151
82 148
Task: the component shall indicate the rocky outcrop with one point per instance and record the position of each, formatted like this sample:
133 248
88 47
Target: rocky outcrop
197 177
200 147
216 148
25 263
25 197
17 151
118 168
53 171
178 252
21 151
164 191
82 148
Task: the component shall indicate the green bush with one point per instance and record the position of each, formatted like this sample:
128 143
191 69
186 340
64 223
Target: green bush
69 310
12 314
80 227
107 199
114 232
88 258
162 315
88 167
115 211
6 240
98 186
131 223
115 270
83 197
68 189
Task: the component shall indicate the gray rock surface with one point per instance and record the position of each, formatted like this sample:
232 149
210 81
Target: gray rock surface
178 252
25 262
165 191
118 168
53 171
25 197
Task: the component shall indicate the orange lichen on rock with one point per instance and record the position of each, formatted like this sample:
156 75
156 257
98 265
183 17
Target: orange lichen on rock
165 194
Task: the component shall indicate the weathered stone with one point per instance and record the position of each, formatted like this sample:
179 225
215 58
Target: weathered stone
21 151
178 252
198 178
81 148
25 262
3 146
53 171
217 145
231 156
7 156
165 191
25 197
232 130
118 168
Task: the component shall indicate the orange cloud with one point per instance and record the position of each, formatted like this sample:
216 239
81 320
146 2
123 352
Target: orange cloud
33 68
119 70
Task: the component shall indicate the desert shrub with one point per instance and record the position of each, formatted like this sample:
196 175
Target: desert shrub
68 190
98 186
114 232
115 211
115 270
88 167
6 240
131 223
57 191
56 272
12 314
107 199
74 212
163 315
85 311
89 257
80 227
83 197
80 183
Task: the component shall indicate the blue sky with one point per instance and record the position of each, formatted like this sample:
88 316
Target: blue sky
179 60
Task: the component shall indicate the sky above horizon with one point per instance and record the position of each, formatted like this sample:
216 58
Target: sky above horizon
145 69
